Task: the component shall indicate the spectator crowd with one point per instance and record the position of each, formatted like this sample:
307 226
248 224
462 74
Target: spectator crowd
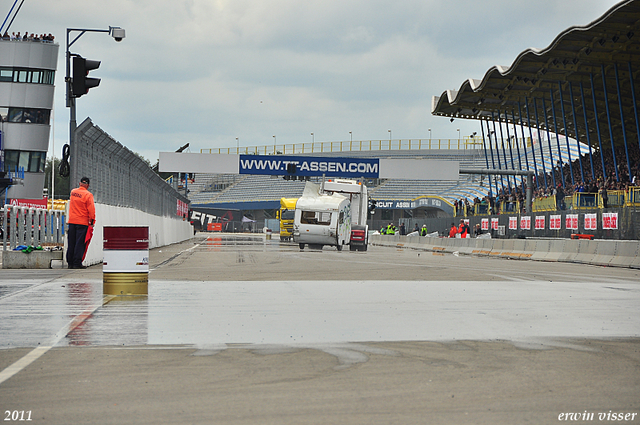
575 181
27 37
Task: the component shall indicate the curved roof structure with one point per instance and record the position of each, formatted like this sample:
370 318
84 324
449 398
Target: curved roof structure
586 72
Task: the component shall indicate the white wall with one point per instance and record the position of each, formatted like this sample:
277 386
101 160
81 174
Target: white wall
162 230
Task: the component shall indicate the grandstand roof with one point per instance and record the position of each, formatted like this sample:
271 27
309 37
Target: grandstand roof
609 46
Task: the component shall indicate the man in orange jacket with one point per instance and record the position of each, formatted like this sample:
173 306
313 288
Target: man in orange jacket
463 230
453 231
82 214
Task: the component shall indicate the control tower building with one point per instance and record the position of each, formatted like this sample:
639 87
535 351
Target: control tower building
27 74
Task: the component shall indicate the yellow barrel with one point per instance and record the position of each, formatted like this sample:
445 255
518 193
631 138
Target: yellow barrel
125 283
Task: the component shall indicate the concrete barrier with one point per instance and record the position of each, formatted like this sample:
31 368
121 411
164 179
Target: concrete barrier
483 247
530 247
496 248
515 249
541 249
626 253
466 246
556 249
414 241
569 250
508 246
605 252
586 251
33 260
441 245
162 230
582 251
634 261
427 243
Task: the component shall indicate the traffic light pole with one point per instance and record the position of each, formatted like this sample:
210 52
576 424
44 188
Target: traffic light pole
69 156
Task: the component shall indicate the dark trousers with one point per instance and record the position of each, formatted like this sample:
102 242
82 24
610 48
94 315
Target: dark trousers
75 244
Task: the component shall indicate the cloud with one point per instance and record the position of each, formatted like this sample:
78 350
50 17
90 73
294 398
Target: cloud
208 71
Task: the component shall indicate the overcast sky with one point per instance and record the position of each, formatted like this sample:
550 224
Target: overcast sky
207 71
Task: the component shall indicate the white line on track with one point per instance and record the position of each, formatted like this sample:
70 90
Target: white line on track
35 354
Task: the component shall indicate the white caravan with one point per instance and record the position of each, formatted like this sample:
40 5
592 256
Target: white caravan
357 194
321 219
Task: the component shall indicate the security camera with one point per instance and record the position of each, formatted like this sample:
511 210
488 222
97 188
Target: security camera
117 34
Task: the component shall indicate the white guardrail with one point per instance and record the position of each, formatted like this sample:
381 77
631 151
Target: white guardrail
31 227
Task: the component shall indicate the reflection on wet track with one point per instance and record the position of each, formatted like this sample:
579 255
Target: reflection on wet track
246 242
55 308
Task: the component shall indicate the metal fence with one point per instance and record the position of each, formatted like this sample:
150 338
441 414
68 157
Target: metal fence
627 224
31 227
119 177
354 146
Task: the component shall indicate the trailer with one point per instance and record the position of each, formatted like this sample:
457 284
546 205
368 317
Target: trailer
322 219
357 194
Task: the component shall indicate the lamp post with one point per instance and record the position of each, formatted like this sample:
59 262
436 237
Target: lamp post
237 145
118 34
429 134
313 139
351 136
274 144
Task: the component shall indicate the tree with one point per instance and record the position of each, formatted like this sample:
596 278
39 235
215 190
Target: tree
62 188
143 158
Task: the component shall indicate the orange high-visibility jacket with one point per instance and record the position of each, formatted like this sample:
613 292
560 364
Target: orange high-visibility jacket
81 207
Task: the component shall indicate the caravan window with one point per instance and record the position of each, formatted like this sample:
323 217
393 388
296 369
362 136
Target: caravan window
315 217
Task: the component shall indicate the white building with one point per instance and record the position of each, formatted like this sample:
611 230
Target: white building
27 71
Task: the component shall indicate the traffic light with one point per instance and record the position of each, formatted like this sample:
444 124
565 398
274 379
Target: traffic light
292 168
81 83
372 206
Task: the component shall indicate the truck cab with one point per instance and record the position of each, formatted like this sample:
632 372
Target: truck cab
286 216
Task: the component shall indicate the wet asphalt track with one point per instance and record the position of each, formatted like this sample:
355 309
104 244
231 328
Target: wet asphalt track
246 330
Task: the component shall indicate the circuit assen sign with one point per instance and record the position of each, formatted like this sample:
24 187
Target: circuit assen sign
424 202
310 166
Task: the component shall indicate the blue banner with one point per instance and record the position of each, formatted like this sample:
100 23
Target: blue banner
421 202
278 165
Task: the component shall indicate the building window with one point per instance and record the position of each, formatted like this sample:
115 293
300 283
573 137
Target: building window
25 115
6 74
30 161
36 77
11 159
37 162
24 75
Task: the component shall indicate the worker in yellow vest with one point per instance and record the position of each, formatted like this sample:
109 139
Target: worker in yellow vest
391 229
